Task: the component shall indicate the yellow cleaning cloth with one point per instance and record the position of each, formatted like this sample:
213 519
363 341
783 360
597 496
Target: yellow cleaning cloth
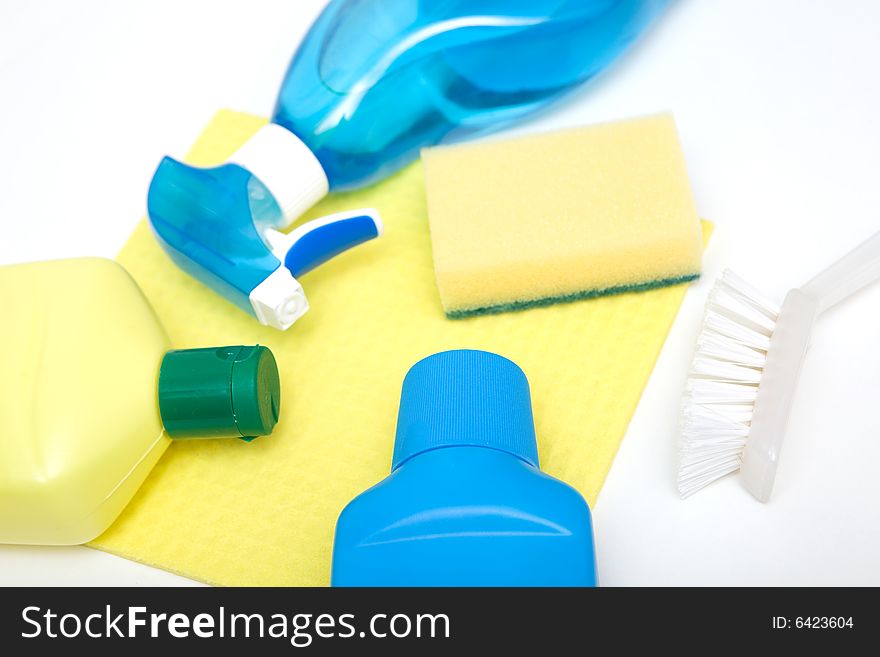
264 513
561 216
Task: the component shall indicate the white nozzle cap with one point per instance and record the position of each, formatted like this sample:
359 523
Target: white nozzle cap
279 300
286 166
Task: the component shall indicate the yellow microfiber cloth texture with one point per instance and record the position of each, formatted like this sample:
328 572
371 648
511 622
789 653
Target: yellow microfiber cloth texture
263 513
561 216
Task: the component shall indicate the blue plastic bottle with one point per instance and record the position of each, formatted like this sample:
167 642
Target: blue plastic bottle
376 80
372 83
465 504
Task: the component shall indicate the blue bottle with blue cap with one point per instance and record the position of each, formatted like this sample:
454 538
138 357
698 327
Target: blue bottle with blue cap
465 503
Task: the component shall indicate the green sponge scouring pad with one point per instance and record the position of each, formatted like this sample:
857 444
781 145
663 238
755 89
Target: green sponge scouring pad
561 216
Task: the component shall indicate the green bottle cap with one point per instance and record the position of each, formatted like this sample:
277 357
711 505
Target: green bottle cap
222 392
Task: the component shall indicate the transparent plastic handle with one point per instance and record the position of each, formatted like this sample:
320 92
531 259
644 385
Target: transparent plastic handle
848 275
785 357
768 427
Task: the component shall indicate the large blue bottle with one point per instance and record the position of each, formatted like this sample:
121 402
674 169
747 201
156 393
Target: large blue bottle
465 504
372 83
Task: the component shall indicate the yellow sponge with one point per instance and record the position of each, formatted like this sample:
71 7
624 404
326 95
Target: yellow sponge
561 216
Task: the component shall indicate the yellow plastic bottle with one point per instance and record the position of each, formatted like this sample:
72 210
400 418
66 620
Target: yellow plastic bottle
80 397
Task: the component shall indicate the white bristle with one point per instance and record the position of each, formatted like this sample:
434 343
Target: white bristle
723 382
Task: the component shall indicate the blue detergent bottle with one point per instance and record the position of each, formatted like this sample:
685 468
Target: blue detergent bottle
372 83
465 503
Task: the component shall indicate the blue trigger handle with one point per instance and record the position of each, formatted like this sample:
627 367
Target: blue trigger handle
220 225
316 241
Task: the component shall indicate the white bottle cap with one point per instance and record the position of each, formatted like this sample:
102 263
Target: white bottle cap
286 166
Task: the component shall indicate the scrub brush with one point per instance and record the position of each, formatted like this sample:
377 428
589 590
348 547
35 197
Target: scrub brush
749 355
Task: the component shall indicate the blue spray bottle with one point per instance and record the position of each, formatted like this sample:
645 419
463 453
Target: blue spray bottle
465 503
372 83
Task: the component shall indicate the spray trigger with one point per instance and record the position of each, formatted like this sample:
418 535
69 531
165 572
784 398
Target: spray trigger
220 226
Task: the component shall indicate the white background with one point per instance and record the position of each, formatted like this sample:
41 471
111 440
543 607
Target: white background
777 104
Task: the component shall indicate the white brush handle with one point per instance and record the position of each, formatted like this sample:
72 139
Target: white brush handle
785 356
852 272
